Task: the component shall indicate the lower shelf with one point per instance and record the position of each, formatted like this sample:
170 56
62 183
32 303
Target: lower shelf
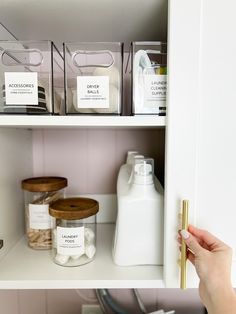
24 268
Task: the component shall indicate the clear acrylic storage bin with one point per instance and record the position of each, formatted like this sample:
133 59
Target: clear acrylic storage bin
93 77
149 78
31 78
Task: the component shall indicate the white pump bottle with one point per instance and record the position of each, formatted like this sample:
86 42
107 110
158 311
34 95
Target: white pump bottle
139 226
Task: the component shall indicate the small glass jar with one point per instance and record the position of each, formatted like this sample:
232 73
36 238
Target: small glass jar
74 231
39 193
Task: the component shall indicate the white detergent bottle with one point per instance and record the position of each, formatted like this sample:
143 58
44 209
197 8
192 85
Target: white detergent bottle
125 176
139 224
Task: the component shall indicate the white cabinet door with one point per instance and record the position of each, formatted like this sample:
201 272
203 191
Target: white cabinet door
182 118
216 158
201 149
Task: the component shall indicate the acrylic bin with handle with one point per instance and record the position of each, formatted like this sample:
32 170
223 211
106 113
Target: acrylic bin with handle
31 78
93 77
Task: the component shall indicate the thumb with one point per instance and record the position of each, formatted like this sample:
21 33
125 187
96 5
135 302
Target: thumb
191 242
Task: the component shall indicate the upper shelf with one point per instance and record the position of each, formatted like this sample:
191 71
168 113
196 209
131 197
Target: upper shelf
86 20
82 121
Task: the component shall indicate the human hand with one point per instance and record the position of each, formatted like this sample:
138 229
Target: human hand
212 260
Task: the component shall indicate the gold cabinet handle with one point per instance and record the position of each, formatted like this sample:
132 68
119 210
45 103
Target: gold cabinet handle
185 206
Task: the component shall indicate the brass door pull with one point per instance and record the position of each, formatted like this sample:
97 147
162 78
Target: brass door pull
185 206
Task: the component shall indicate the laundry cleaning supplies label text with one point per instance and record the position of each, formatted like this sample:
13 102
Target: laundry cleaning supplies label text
39 217
21 88
155 87
70 241
93 91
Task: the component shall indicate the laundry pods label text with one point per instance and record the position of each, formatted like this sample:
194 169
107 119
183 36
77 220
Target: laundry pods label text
155 88
39 217
21 88
93 91
70 241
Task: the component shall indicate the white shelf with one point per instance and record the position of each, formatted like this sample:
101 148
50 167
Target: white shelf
24 268
81 121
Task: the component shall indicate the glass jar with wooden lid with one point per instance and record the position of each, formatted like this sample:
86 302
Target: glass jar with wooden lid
74 230
39 192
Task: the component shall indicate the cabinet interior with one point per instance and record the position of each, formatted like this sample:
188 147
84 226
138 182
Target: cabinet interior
89 156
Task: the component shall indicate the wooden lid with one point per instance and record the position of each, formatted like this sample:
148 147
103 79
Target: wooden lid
44 184
74 208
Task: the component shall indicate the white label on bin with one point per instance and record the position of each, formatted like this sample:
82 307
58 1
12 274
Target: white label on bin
39 217
155 87
21 88
93 91
70 241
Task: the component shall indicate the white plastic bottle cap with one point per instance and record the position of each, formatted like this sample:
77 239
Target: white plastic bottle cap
143 173
135 160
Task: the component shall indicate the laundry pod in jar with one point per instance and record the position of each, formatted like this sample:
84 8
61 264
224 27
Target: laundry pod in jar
74 230
39 192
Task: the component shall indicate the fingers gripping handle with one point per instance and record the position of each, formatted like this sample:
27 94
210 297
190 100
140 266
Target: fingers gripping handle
185 207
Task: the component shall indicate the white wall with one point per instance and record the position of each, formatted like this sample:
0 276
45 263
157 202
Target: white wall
90 158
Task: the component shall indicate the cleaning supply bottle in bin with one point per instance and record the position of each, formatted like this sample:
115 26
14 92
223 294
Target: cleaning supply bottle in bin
139 226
